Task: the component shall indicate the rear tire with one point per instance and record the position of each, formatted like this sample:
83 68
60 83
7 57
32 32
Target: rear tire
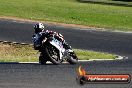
42 60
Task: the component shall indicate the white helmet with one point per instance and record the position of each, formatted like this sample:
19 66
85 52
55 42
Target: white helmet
39 27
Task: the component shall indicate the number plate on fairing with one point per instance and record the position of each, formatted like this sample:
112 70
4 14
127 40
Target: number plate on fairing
57 43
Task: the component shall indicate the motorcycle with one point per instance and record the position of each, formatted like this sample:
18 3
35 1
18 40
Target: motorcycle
53 50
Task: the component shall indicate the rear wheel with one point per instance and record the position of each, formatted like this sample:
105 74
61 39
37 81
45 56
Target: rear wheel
42 60
53 54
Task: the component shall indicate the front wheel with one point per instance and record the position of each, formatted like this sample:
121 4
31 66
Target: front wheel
53 54
73 58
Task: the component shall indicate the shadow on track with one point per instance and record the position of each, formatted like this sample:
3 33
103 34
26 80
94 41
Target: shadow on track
113 3
32 63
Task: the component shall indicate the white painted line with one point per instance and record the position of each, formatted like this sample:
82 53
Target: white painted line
118 58
14 42
67 62
83 60
5 41
121 57
23 43
32 62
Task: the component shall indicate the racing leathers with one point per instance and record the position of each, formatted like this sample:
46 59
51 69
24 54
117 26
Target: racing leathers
46 34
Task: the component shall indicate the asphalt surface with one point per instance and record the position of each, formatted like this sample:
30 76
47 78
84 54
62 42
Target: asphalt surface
14 75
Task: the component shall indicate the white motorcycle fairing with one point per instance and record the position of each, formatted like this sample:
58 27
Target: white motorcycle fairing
59 46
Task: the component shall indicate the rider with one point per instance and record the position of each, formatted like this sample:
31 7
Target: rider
39 29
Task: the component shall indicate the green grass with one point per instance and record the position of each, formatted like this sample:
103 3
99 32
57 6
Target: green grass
17 53
88 55
25 53
71 12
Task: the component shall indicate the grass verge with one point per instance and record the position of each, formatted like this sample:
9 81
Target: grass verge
25 53
70 12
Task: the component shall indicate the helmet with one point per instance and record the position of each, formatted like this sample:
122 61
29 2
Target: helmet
38 27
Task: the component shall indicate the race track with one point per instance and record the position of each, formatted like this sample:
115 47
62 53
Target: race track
118 43
14 75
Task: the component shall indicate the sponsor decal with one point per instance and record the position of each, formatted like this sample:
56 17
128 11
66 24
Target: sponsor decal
83 77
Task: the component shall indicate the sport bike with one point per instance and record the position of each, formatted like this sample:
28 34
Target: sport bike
52 50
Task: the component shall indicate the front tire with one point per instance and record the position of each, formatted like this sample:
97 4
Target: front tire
73 59
52 54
